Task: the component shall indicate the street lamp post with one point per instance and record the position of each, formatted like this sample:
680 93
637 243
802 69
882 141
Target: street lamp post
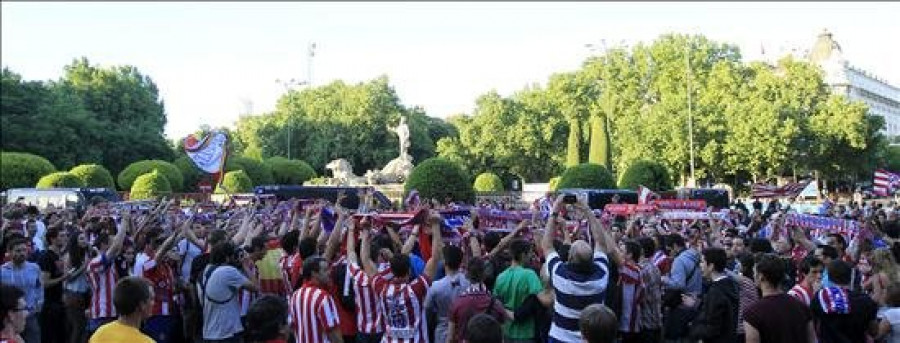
287 88
687 59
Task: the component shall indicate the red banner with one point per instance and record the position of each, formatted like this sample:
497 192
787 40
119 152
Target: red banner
628 209
671 204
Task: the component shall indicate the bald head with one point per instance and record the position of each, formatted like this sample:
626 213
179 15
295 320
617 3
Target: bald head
581 252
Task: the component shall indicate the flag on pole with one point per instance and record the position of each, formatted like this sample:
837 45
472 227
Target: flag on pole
885 182
645 195
208 153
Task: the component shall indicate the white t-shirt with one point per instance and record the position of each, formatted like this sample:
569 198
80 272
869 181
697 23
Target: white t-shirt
892 315
189 252
139 261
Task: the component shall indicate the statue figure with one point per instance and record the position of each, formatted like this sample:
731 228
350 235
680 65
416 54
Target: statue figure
342 172
402 131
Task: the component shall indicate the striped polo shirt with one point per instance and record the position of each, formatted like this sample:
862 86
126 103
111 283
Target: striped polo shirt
574 291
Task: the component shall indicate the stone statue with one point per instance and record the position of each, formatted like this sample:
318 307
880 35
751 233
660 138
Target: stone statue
342 173
402 131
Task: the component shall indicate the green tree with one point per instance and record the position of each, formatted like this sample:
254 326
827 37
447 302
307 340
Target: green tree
259 173
128 176
586 175
573 152
488 182
236 182
22 169
59 180
123 98
151 185
892 158
94 175
650 174
439 178
599 153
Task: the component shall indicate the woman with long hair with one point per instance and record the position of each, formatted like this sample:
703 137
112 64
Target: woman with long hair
884 272
77 291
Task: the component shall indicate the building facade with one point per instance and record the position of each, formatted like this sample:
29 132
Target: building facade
882 98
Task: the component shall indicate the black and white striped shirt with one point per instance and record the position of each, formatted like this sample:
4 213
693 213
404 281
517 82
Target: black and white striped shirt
574 291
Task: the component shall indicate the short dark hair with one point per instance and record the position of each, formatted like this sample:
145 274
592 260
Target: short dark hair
808 263
716 257
771 268
264 318
519 248
453 257
829 251
311 265
483 328
289 242
307 247
674 240
258 243
14 242
216 237
839 238
475 270
491 240
839 272
598 324
648 246
400 265
52 233
130 293
9 300
761 245
632 248
221 253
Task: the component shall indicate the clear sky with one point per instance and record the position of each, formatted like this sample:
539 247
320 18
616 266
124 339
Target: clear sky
210 60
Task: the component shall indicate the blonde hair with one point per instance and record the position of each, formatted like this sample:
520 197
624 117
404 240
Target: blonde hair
883 262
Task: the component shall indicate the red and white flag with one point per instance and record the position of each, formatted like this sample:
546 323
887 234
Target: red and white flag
793 189
885 182
645 195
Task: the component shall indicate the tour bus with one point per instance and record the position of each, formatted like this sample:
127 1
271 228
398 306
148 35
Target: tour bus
329 193
598 198
69 198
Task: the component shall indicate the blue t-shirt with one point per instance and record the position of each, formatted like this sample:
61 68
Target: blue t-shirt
221 321
416 266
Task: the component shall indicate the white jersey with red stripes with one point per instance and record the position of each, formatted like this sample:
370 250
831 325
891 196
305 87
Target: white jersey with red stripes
801 293
161 276
369 319
313 313
403 309
102 276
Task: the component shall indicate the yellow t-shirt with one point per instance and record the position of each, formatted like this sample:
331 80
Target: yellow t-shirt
115 332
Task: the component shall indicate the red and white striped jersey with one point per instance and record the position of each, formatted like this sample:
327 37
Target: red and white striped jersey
162 278
801 293
403 309
630 284
102 277
291 268
369 319
313 313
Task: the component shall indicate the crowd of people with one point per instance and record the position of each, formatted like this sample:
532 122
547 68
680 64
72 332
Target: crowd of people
292 271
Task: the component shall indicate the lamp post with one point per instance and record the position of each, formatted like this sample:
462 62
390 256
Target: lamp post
287 88
687 60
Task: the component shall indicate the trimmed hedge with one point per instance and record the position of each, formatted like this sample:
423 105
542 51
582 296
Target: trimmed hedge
189 172
59 180
150 185
236 182
128 176
488 182
586 175
289 172
22 170
94 176
259 173
437 178
651 174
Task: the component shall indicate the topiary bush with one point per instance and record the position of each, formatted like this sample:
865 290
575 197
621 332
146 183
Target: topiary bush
651 174
553 183
289 172
59 180
259 173
19 169
438 178
190 174
150 186
236 182
94 175
586 175
170 171
488 182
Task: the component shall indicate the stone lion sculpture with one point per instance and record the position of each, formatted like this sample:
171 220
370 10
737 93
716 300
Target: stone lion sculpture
342 172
